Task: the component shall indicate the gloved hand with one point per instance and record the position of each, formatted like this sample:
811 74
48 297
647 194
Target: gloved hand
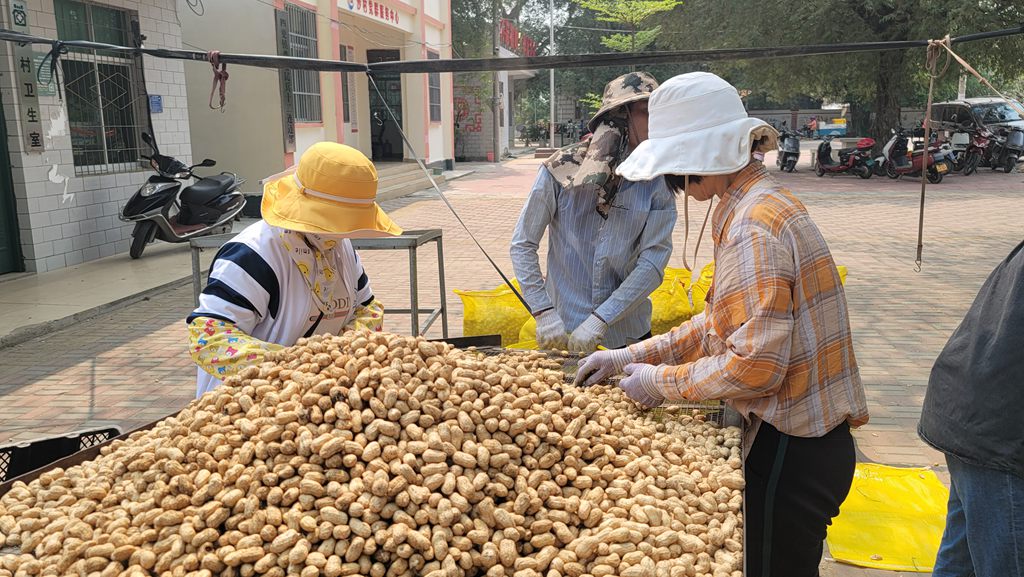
640 385
551 334
588 335
597 367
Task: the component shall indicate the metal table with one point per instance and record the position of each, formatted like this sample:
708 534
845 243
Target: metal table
410 240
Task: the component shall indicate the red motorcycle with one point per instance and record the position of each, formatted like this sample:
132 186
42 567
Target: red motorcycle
900 159
977 149
856 160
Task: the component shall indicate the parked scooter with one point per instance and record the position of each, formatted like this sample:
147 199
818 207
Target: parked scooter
1006 149
789 149
977 150
856 160
899 159
162 210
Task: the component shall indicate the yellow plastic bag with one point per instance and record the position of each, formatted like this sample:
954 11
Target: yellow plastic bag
842 274
892 519
493 312
671 301
700 288
529 331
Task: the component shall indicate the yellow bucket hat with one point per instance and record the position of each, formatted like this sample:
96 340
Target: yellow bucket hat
333 190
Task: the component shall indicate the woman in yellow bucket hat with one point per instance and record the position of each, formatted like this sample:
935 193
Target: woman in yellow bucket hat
294 273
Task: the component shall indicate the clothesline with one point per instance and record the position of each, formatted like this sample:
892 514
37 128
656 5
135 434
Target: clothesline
502 64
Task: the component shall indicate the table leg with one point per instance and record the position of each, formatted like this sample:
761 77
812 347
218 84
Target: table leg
444 294
196 279
414 305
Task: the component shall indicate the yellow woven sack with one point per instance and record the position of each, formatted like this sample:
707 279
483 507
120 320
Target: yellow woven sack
700 288
892 519
528 332
671 301
493 312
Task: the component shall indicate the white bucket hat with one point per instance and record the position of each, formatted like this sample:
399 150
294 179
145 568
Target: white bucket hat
697 126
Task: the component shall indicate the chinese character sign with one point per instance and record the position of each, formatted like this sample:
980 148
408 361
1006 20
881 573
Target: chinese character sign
28 97
516 41
375 9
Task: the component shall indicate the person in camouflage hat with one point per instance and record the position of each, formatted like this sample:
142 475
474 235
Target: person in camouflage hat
609 239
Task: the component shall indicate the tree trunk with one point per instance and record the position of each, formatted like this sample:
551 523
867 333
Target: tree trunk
888 88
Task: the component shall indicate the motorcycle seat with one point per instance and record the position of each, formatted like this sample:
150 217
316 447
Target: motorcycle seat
206 189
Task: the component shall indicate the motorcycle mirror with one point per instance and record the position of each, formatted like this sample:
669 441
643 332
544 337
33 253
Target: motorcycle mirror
207 162
147 138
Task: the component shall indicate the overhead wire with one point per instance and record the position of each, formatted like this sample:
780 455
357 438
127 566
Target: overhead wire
521 63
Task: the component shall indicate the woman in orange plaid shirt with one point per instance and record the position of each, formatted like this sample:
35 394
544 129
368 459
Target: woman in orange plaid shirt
774 341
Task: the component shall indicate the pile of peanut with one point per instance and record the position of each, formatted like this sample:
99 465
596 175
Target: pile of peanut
380 455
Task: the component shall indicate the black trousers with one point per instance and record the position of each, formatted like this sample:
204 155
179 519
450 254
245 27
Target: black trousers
794 488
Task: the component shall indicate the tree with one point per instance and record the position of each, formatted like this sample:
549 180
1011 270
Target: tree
876 83
632 14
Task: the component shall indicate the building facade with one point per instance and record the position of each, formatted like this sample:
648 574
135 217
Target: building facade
73 146
272 116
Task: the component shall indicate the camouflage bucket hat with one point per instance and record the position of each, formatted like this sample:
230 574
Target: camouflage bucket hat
623 90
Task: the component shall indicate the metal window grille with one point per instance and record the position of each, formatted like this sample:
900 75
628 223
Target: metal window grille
434 88
302 44
104 90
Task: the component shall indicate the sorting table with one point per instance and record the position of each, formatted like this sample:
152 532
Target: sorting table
410 240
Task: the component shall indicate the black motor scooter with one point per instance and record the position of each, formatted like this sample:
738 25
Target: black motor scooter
1007 149
162 210
789 149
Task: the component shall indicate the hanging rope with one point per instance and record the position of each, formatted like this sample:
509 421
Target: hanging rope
932 65
220 78
979 76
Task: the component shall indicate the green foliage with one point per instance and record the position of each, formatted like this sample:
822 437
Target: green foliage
877 84
631 13
592 100
635 42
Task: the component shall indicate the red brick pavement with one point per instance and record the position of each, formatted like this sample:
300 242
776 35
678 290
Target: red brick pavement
129 367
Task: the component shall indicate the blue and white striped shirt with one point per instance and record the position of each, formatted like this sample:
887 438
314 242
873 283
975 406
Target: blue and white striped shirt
608 267
255 285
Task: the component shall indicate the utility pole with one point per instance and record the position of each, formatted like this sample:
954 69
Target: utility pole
551 42
961 91
495 85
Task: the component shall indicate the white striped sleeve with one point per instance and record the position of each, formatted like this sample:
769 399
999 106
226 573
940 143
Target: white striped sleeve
242 289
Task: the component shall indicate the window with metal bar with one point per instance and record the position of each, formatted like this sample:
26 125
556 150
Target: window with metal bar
434 87
302 44
104 90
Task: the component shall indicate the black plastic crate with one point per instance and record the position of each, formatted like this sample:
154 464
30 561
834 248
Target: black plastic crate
21 458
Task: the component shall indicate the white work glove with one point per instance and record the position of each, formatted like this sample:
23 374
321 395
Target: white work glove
641 385
551 334
588 335
598 367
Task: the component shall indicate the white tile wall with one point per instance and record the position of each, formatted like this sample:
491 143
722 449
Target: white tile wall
57 229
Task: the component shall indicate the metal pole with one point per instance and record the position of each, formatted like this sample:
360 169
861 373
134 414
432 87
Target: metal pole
961 91
551 42
495 85
414 292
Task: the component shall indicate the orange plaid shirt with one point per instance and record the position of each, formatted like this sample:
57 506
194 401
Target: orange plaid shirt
775 339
